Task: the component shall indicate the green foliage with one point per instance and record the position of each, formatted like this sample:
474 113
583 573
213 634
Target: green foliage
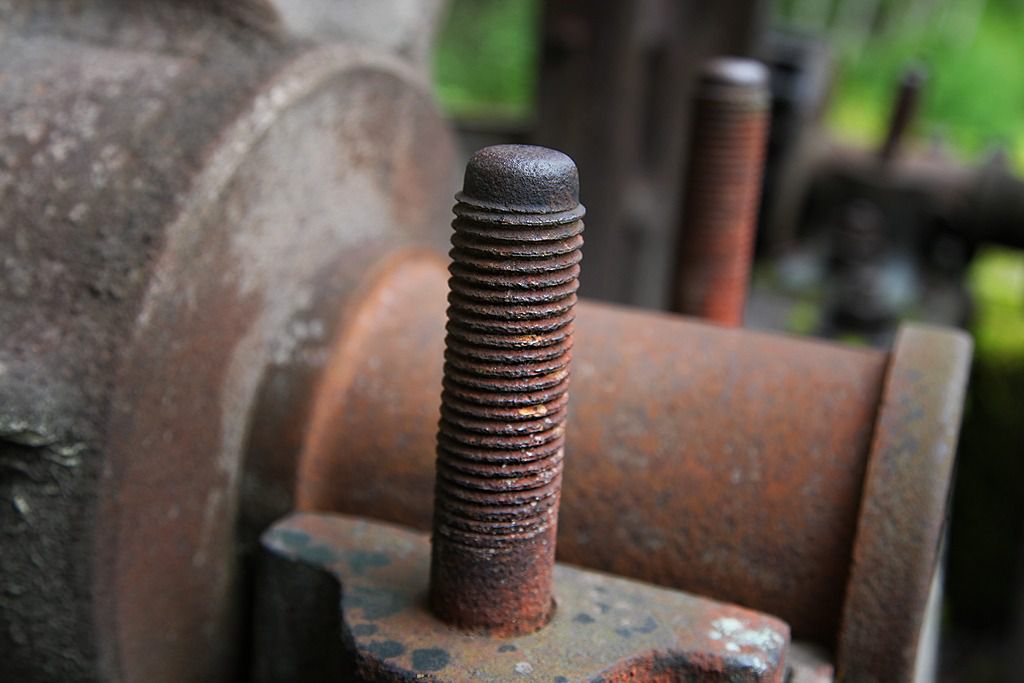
996 280
804 317
486 62
988 513
974 97
486 59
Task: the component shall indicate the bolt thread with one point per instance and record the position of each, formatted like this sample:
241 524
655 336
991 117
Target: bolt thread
502 429
730 126
506 375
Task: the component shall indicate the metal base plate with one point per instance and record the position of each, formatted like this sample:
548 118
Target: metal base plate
604 628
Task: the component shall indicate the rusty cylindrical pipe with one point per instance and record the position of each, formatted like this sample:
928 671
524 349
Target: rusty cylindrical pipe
684 441
723 190
725 462
516 254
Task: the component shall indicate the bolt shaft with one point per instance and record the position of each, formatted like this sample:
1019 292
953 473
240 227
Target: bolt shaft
723 191
904 110
516 254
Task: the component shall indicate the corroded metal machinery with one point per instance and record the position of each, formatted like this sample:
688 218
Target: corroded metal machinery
885 233
190 205
223 300
493 586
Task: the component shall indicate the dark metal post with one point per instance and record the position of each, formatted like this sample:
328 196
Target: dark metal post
904 110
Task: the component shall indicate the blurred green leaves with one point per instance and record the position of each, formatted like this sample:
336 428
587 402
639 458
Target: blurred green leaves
485 65
486 60
996 280
974 98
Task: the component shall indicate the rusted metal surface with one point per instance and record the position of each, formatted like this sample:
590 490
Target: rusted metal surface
729 462
902 520
500 444
169 304
172 183
723 190
605 628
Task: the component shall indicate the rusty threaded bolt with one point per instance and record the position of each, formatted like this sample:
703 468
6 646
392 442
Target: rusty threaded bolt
723 190
514 275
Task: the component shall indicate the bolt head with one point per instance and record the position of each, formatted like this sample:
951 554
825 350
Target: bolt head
740 81
521 179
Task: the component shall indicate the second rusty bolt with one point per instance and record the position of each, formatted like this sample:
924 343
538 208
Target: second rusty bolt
723 190
516 254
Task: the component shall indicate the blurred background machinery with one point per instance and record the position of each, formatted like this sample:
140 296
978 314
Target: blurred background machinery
223 300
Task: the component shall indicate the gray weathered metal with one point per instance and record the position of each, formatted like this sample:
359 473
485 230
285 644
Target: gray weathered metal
188 205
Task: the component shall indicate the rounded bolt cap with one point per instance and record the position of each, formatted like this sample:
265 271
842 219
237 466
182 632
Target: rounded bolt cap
735 71
733 78
521 179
